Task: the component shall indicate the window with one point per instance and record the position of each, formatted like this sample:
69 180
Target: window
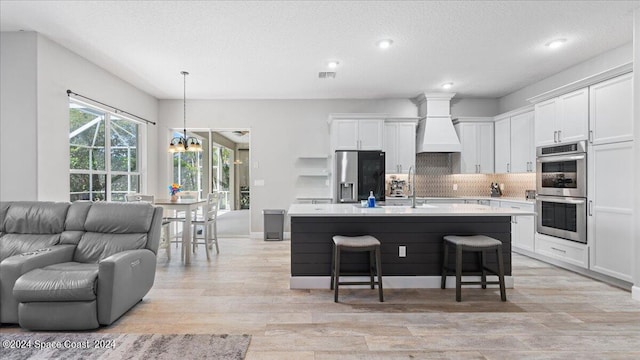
103 154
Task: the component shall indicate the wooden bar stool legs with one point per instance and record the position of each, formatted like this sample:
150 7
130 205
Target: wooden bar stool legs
476 243
353 244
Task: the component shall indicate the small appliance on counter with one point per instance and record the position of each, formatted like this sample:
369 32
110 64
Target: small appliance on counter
495 190
530 194
397 187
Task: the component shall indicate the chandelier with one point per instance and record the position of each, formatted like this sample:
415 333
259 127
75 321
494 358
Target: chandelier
184 143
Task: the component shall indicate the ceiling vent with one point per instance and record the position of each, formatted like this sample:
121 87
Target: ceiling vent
327 75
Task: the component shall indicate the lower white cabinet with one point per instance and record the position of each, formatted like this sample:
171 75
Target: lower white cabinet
610 212
397 202
568 251
522 227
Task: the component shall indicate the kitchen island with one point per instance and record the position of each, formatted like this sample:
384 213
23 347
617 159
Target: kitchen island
417 231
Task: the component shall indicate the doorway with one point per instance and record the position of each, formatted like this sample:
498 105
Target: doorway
223 166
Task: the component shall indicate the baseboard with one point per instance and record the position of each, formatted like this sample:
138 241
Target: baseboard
393 282
635 292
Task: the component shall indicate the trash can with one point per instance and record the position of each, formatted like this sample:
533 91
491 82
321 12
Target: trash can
273 224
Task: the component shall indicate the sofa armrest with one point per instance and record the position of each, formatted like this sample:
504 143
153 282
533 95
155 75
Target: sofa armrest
15 266
123 280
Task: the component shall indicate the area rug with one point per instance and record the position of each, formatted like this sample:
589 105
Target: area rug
122 346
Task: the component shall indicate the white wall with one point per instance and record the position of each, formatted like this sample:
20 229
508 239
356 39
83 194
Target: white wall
619 56
280 131
56 69
18 116
636 112
474 107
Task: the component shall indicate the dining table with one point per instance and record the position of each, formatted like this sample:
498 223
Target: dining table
186 205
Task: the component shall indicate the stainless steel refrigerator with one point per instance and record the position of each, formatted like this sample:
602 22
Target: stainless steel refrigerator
357 174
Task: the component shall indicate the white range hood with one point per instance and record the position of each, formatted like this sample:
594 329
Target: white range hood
435 129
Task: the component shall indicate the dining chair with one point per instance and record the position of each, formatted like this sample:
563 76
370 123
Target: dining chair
178 216
209 224
165 239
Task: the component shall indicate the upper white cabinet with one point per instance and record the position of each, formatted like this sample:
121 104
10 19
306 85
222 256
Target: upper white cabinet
476 139
562 119
514 138
399 146
502 129
357 131
610 114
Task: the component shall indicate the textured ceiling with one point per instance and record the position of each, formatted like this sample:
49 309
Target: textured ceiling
275 49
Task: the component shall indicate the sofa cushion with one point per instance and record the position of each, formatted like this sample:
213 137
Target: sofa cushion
119 218
31 217
4 206
94 247
14 244
68 281
77 215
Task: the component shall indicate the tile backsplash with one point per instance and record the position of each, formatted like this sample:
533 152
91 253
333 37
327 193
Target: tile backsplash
435 178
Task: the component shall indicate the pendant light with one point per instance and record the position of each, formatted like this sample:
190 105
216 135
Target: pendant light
184 143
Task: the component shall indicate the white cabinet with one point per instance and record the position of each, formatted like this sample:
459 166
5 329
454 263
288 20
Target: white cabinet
545 129
398 201
399 146
357 134
560 249
476 140
610 212
563 119
610 110
522 227
502 129
515 148
523 148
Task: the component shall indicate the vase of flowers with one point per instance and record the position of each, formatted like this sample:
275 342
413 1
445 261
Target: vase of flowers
174 189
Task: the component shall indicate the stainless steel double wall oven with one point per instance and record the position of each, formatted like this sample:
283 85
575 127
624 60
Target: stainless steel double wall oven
561 175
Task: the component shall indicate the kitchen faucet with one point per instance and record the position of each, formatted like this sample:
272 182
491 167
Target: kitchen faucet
413 186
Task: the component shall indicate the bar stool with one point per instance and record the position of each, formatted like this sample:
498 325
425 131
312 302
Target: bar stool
475 243
354 244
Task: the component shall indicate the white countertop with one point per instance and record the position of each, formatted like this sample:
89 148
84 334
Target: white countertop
423 210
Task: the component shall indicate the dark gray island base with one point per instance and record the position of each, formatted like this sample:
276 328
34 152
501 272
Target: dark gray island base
311 245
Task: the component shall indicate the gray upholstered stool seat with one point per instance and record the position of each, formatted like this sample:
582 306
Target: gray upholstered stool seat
475 243
479 241
356 241
352 244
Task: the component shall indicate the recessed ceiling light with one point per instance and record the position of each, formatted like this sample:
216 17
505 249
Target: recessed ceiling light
554 44
447 86
332 64
385 43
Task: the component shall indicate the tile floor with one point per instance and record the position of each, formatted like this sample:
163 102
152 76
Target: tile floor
550 314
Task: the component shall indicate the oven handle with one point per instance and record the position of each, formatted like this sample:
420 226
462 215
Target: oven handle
552 158
562 200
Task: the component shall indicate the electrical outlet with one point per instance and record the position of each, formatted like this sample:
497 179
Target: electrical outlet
455 187
402 251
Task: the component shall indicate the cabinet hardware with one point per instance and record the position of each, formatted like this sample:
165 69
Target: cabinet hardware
479 169
590 207
559 135
591 136
508 167
560 250
555 136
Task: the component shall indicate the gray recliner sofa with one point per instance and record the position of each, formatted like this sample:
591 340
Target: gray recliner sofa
75 266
